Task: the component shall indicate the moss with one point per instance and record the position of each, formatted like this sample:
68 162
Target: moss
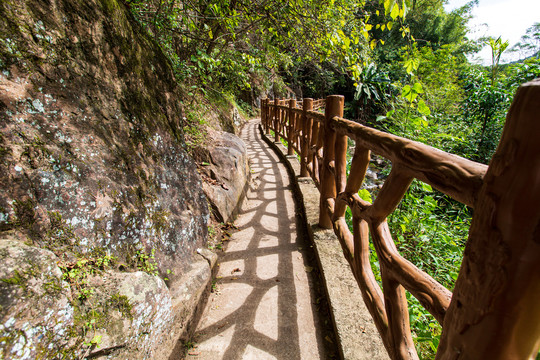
24 213
122 304
20 278
144 194
85 319
60 236
52 286
4 150
15 279
25 218
96 314
93 309
45 352
159 220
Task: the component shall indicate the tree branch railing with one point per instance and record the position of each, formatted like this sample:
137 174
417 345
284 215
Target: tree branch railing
494 312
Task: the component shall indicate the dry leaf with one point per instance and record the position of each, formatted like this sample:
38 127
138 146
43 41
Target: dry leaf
327 338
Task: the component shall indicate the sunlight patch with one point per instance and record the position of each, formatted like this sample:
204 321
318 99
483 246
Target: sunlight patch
267 266
266 317
256 354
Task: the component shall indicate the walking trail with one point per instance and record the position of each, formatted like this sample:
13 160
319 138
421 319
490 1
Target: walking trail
264 305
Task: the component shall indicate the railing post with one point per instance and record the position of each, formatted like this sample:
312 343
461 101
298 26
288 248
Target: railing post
267 116
271 115
282 119
318 140
495 309
292 127
334 107
276 120
340 162
263 112
307 105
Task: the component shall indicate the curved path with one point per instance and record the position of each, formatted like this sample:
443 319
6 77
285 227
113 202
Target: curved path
264 305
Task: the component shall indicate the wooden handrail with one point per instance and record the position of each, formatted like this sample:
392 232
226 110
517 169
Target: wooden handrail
453 175
495 309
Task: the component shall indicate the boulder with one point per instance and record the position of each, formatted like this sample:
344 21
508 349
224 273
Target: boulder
36 313
119 315
224 166
136 315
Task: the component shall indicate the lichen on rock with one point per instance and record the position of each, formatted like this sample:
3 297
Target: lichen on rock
93 134
36 311
92 159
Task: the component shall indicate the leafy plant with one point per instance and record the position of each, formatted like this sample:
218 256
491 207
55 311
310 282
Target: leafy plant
76 273
146 261
372 91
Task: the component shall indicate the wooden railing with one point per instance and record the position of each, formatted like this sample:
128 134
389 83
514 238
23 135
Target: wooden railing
494 312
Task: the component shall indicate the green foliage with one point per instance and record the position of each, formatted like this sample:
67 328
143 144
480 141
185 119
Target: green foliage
76 273
497 47
484 111
372 92
235 45
245 108
430 230
365 195
146 262
519 73
439 72
194 130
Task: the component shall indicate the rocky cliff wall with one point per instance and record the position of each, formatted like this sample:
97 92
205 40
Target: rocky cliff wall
101 208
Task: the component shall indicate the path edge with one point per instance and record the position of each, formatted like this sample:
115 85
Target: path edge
356 334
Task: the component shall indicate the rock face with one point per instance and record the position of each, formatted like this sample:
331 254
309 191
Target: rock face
95 179
224 166
90 132
36 308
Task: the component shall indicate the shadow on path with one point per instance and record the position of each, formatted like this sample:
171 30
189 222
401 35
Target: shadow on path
263 305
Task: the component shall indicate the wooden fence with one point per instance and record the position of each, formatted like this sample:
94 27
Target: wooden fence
494 312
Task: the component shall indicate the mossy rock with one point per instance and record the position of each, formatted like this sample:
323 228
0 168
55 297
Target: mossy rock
35 309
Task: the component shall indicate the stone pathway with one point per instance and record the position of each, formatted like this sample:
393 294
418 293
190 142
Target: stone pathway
263 305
